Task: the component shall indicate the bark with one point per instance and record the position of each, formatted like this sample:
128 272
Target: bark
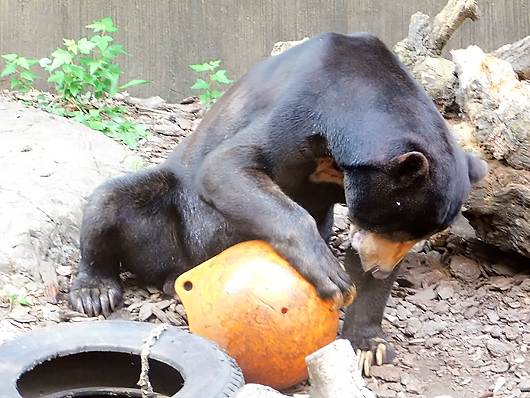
499 209
421 50
518 55
497 103
449 20
333 372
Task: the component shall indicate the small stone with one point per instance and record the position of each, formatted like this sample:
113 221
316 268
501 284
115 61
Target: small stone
471 312
64 270
22 315
433 258
402 313
445 291
524 385
500 283
500 366
412 384
423 296
341 223
389 373
465 268
385 393
525 285
495 331
497 348
145 311
493 317
432 328
526 338
512 333
413 327
185 124
441 307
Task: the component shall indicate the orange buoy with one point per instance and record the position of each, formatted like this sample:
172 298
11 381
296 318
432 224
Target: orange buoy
259 309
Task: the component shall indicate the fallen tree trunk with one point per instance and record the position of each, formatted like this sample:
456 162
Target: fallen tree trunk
518 55
499 209
497 103
421 50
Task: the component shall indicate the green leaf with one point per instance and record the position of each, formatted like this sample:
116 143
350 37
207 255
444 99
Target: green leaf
202 68
57 77
23 62
215 64
10 57
71 45
117 49
32 62
95 125
77 70
74 89
96 26
220 77
41 97
134 82
61 57
85 46
200 85
8 70
22 300
15 82
114 68
101 42
215 94
29 76
109 25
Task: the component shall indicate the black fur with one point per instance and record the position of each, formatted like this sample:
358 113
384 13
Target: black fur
246 174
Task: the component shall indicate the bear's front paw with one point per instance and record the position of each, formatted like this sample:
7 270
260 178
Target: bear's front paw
335 284
96 300
374 350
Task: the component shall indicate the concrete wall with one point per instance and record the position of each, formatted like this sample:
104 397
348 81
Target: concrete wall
165 36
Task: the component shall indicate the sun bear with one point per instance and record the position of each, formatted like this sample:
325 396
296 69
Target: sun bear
336 119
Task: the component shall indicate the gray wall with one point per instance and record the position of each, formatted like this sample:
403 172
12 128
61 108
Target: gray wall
165 36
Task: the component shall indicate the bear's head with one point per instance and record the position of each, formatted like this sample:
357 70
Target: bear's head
395 204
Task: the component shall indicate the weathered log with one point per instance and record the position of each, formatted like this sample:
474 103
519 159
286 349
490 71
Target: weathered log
421 50
333 372
497 103
518 55
448 21
499 209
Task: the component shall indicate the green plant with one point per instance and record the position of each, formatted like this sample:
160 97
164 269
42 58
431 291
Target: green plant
209 96
13 295
21 66
85 78
138 164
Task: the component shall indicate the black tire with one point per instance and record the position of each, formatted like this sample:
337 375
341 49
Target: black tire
206 370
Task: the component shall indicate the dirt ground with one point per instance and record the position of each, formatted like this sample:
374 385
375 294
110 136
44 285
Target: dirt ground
458 316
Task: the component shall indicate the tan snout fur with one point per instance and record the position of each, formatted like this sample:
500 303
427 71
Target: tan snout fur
375 250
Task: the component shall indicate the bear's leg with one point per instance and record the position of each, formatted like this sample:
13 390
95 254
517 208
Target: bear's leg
97 288
132 223
362 325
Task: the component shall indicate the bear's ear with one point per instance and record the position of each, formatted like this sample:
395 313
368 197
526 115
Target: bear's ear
477 168
410 167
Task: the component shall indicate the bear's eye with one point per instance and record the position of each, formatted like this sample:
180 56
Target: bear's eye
398 203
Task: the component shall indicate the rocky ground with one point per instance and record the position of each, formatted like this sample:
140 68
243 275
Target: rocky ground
458 316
